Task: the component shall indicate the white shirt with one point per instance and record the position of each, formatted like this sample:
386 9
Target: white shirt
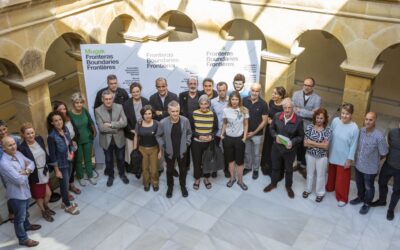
235 120
40 158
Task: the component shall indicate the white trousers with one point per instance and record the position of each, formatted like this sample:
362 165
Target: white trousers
316 167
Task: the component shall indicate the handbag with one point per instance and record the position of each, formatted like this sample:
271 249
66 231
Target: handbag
213 159
136 158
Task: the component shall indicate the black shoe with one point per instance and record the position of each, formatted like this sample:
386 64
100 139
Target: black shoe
364 209
147 188
160 172
124 179
33 227
227 174
169 192
214 174
110 181
184 191
255 175
390 215
175 173
155 188
356 201
269 188
378 203
138 175
290 192
246 171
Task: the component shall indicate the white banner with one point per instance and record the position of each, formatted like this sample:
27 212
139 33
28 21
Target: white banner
175 61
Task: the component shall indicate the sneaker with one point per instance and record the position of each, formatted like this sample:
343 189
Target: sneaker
124 179
92 181
390 215
364 209
341 203
82 182
169 192
255 175
356 201
269 188
246 171
110 181
184 191
378 203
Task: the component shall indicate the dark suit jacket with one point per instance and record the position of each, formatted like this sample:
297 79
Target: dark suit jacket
120 97
293 129
183 102
25 150
131 116
156 103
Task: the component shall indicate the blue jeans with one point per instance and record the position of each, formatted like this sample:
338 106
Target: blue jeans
365 186
109 155
64 185
21 214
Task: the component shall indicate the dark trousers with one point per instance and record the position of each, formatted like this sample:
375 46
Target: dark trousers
21 214
386 173
64 184
109 155
198 149
282 159
182 169
301 154
73 169
226 164
365 186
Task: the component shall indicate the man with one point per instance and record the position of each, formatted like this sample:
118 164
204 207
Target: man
371 149
258 117
174 136
111 121
208 88
305 103
217 106
287 124
391 168
4 133
238 85
160 100
120 94
15 169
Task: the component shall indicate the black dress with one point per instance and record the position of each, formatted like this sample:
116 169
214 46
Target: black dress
266 162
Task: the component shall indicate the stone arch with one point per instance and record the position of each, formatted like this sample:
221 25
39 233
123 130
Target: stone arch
321 57
182 26
385 39
9 69
120 25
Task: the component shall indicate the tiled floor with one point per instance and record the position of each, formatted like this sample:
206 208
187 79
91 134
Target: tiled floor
126 217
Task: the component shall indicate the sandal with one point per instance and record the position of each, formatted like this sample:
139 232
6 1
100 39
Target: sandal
75 190
242 186
73 204
207 184
196 186
49 211
305 194
319 198
230 183
72 210
46 215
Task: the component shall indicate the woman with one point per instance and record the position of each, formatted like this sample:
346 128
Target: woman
73 132
233 135
204 126
342 149
275 106
317 137
34 149
61 156
80 117
145 139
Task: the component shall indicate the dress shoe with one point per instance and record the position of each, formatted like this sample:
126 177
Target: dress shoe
214 174
378 203
184 191
147 188
269 188
155 188
33 227
364 209
303 172
175 173
246 171
290 192
138 175
29 243
255 175
110 181
160 172
356 201
124 179
169 192
390 215
297 167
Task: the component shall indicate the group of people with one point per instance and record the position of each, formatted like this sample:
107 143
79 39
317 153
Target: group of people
169 129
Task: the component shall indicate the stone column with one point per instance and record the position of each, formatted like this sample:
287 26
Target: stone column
32 99
76 55
280 71
358 88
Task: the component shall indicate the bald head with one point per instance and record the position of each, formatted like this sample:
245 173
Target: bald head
9 145
370 120
255 91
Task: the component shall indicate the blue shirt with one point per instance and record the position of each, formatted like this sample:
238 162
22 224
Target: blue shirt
217 106
17 185
343 144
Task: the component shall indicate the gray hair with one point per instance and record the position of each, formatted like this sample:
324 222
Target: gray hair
192 78
204 98
77 97
173 104
106 92
287 101
161 79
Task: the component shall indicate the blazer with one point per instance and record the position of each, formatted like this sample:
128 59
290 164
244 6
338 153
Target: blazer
156 103
164 136
314 102
118 123
25 150
129 111
120 97
293 129
183 102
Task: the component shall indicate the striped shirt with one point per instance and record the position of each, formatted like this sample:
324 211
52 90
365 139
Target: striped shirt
203 122
318 136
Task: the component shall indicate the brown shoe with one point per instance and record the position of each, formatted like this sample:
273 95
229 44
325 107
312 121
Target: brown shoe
303 172
269 188
29 243
33 227
297 167
290 192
